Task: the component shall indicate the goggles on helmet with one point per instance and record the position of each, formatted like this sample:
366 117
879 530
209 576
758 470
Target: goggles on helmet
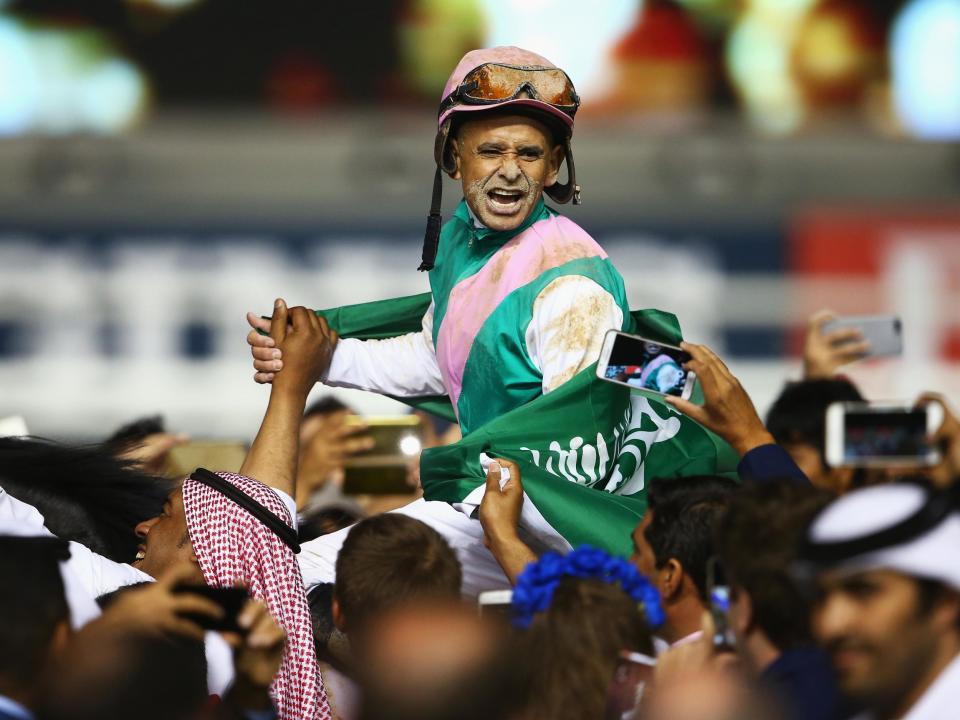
494 83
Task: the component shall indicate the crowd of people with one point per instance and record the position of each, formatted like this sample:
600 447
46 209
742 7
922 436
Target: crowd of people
844 592
764 582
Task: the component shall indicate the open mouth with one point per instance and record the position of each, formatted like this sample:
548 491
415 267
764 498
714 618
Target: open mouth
505 201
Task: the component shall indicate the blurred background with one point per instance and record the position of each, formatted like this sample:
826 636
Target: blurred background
167 165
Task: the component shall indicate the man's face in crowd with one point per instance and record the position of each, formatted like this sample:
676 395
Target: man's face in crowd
504 163
880 639
166 541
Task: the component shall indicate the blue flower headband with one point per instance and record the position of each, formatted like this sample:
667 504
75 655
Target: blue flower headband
537 583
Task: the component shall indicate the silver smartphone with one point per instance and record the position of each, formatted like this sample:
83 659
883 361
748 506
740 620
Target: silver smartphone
883 332
638 362
881 435
496 603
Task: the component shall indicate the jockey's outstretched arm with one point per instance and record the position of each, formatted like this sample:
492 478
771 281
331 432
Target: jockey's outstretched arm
404 366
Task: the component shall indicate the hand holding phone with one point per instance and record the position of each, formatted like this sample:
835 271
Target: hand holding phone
882 434
229 599
638 362
825 351
718 594
880 335
727 409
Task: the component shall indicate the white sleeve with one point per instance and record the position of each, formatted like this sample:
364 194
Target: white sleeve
97 574
290 504
404 366
571 315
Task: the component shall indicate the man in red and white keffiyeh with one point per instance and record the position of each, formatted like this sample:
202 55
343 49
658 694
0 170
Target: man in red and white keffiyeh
233 547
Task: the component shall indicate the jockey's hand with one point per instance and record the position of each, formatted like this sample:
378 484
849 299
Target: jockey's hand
824 352
307 343
267 357
501 506
727 409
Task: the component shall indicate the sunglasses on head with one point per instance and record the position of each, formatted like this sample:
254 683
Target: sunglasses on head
494 83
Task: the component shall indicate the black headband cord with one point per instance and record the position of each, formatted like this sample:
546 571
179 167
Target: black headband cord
277 526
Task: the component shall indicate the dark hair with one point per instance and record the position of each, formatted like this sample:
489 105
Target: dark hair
685 512
32 605
571 650
390 559
757 539
127 675
319 599
327 520
325 405
133 433
798 415
84 493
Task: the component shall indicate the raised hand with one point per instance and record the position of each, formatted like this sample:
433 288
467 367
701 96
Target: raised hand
500 517
727 409
157 609
267 357
947 440
824 353
307 344
258 654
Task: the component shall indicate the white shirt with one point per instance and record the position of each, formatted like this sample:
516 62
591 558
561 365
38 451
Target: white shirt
942 699
99 575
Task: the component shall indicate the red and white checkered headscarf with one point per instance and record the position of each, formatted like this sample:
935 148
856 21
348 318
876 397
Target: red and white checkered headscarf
233 547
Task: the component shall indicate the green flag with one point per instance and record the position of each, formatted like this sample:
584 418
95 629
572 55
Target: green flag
586 451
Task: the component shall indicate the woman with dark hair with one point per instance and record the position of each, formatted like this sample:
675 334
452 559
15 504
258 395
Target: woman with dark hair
588 619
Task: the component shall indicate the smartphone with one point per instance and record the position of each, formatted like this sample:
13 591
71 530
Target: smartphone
231 599
637 362
883 332
496 603
383 469
881 435
718 594
216 455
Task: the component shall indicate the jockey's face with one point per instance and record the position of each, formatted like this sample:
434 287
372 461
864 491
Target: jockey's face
504 163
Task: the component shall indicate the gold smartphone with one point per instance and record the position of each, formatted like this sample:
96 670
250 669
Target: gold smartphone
383 469
212 455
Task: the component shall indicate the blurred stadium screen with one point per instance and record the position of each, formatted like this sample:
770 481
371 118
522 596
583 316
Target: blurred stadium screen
167 165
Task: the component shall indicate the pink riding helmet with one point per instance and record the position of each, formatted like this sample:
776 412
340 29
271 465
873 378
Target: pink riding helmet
558 119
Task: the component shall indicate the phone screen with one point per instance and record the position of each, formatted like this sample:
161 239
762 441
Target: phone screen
885 435
719 595
647 365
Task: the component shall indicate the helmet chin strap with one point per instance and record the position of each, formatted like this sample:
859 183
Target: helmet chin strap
431 236
570 190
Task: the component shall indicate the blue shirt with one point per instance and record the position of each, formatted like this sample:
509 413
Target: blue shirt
770 463
804 682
